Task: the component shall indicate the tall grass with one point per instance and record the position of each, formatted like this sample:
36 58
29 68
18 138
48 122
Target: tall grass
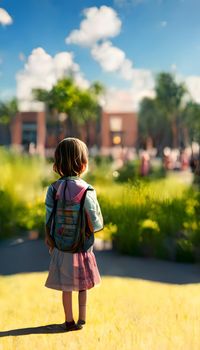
23 176
22 192
157 218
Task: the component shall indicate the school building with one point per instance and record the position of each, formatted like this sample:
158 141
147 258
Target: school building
35 132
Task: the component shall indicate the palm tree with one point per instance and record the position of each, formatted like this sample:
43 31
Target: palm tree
169 96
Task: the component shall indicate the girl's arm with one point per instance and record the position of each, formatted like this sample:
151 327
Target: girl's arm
49 202
93 212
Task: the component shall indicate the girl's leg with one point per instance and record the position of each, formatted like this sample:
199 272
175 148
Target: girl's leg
82 301
67 304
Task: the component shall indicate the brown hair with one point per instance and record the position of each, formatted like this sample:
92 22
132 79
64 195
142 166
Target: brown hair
70 156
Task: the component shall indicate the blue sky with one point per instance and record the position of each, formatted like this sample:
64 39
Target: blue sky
154 35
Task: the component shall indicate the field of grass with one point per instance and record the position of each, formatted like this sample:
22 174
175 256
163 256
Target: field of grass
162 189
123 314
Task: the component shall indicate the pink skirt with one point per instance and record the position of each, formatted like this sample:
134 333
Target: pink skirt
72 272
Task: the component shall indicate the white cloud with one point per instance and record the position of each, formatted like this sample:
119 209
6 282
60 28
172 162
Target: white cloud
143 79
128 100
99 24
63 63
109 57
42 71
118 100
126 70
193 86
112 59
5 18
143 85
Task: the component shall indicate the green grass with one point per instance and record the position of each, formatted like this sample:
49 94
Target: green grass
22 176
123 314
22 192
168 203
162 189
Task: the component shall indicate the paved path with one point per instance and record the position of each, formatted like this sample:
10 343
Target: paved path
32 256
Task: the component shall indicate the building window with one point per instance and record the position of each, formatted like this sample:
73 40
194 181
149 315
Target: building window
29 133
116 130
115 124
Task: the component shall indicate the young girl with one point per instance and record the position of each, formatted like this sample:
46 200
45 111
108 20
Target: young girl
72 270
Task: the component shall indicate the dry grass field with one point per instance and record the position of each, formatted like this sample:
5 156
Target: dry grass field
123 313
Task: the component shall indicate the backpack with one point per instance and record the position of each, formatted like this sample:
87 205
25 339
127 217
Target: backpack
69 225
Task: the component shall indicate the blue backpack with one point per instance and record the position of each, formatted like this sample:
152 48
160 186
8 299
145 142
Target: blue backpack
70 230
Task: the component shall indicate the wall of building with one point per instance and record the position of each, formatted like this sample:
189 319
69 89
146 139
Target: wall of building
114 129
126 129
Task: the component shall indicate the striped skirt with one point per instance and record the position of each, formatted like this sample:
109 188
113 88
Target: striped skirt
72 272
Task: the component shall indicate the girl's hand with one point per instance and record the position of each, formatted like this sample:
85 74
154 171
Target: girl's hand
49 241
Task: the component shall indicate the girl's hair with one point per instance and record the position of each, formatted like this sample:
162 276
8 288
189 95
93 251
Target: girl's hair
70 156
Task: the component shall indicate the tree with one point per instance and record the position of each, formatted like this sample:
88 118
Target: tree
169 96
191 116
154 128
161 118
87 108
8 111
60 99
80 105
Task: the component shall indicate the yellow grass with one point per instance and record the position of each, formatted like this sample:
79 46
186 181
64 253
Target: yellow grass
123 313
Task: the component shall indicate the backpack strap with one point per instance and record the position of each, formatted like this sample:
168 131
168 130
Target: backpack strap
53 213
83 197
80 234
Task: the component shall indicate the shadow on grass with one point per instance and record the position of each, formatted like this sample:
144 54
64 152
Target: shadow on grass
48 329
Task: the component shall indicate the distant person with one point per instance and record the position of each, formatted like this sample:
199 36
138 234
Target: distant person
167 159
72 216
32 148
144 163
184 159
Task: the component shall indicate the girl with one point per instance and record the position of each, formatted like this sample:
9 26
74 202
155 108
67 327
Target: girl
75 269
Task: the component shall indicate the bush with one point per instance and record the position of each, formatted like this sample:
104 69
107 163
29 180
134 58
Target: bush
128 172
100 170
149 235
150 225
33 216
102 160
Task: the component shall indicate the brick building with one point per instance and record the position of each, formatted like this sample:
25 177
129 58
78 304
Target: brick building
118 128
29 128
115 130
